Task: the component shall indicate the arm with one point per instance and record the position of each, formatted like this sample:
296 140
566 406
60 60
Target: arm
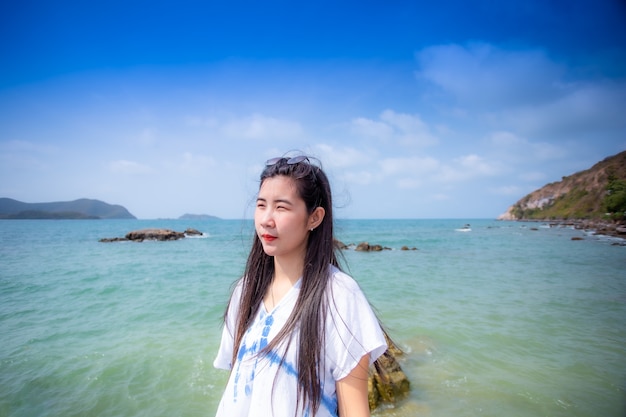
352 391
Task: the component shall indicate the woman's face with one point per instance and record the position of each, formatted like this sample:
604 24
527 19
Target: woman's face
281 219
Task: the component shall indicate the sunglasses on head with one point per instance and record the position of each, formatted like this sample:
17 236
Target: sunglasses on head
290 161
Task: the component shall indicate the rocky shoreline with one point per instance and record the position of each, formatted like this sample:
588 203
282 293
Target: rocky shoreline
613 229
616 229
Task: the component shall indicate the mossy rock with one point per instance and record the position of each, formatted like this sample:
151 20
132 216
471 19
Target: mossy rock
387 382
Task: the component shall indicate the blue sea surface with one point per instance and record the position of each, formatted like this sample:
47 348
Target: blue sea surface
509 319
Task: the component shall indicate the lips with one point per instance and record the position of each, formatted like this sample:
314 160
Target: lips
268 238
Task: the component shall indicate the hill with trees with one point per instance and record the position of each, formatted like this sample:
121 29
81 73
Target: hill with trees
598 193
78 209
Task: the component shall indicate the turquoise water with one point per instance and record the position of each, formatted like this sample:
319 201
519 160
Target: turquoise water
504 320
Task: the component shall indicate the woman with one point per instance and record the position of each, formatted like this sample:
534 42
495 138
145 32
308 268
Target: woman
304 332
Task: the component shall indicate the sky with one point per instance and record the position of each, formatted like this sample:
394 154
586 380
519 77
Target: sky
415 109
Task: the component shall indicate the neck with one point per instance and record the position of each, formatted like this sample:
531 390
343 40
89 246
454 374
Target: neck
286 274
288 270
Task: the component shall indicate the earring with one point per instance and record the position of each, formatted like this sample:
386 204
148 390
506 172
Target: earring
312 228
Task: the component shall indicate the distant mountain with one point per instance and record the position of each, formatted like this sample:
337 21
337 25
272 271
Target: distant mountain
596 193
78 209
188 216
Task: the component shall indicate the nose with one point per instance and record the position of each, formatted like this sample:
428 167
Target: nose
265 217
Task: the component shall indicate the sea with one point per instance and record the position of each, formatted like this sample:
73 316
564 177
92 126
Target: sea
508 319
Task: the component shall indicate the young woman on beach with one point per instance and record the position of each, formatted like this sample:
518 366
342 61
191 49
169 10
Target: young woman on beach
299 334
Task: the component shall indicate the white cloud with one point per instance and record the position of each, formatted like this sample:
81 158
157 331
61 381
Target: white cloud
342 157
525 97
450 174
411 129
360 177
147 136
417 171
367 127
404 172
259 126
123 166
481 74
503 138
415 166
351 165
507 190
196 164
465 168
497 122
409 183
582 108
475 164
518 149
405 129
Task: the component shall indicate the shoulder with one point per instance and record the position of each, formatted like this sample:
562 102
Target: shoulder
352 327
340 281
236 290
235 299
344 289
238 287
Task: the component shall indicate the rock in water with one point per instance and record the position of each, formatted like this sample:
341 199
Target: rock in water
154 234
387 382
366 247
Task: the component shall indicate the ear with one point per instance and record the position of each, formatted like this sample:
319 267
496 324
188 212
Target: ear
316 218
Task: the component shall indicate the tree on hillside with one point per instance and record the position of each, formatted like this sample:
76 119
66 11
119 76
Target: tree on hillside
615 200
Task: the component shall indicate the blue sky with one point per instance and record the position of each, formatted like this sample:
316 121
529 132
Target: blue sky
450 109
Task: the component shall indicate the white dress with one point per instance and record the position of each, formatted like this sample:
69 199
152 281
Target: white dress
262 386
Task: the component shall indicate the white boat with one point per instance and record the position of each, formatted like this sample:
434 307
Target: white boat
465 228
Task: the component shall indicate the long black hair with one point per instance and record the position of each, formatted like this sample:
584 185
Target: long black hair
308 315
